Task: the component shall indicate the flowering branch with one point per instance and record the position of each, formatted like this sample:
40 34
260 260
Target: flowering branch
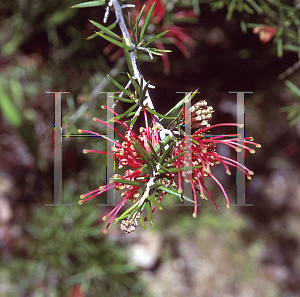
156 158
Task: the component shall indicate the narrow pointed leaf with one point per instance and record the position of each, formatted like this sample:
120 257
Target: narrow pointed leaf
126 213
158 114
123 99
107 30
127 56
175 158
255 6
187 168
140 150
162 148
189 96
142 222
175 193
135 85
89 4
127 182
156 37
292 88
154 154
110 39
126 112
118 85
143 187
138 21
132 122
279 48
167 152
92 36
144 27
149 213
154 202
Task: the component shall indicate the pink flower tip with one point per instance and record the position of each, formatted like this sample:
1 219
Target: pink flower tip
179 191
105 231
252 151
80 202
228 172
104 218
84 151
79 131
227 205
194 215
258 145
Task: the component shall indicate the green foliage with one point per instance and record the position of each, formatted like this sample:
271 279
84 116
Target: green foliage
64 248
294 110
283 17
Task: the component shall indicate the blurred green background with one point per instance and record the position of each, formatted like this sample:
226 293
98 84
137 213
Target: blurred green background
61 251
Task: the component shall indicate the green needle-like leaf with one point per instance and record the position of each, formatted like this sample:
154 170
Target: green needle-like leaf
144 27
156 37
293 89
126 112
135 85
154 154
255 6
149 213
89 4
279 48
110 39
158 114
175 158
127 182
189 97
107 30
137 22
118 85
126 213
142 222
133 120
123 99
167 152
127 56
154 202
175 193
140 150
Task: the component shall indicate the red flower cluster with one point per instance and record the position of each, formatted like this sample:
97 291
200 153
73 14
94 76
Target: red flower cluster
187 158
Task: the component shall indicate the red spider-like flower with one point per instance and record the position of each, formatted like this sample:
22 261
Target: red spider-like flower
129 154
202 151
159 166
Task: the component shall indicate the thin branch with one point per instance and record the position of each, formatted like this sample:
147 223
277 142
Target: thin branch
120 20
